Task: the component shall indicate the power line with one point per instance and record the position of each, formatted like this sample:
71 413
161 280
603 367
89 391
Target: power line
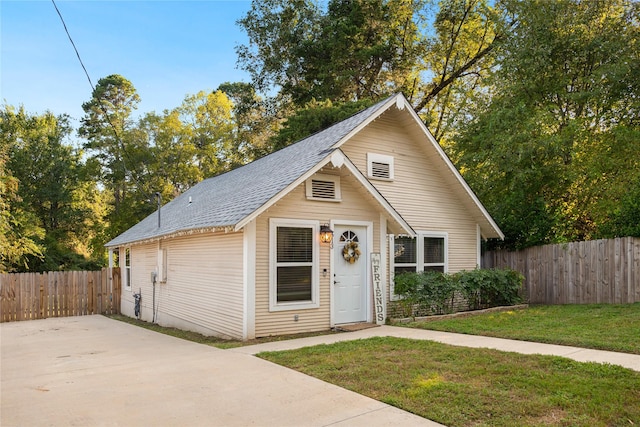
106 114
66 30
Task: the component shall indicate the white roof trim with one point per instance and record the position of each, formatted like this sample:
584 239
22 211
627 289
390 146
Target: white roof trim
456 173
391 101
402 104
354 171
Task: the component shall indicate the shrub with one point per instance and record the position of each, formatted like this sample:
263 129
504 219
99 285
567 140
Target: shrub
436 292
490 288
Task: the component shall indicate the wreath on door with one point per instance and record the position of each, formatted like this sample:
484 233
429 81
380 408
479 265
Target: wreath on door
351 252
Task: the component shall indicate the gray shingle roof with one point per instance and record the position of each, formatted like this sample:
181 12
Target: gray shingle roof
225 200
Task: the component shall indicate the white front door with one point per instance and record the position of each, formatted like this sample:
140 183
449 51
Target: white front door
350 274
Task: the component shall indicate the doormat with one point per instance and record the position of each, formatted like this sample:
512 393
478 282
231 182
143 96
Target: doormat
356 327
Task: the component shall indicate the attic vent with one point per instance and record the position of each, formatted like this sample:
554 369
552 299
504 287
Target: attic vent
324 187
380 170
380 166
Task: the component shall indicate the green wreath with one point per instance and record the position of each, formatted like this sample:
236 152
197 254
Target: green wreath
351 252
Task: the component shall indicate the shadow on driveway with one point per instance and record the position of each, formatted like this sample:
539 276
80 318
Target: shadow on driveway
95 371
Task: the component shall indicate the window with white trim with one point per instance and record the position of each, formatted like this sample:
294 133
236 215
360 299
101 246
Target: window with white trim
127 268
323 187
294 264
379 166
426 252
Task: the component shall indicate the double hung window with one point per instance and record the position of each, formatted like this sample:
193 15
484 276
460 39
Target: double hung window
294 272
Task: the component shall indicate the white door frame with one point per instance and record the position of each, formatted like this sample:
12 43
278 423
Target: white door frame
364 257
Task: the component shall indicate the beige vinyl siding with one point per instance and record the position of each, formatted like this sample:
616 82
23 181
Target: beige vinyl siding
419 190
204 290
143 262
296 206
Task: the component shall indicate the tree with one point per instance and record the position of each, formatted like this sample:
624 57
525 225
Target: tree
456 64
276 28
18 232
356 50
116 145
554 150
54 195
208 117
315 117
256 121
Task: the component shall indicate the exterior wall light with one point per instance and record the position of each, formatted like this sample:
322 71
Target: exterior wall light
326 234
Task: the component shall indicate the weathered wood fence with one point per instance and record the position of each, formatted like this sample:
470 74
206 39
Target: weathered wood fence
597 271
28 296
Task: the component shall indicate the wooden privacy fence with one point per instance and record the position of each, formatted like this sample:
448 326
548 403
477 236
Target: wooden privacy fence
28 296
597 271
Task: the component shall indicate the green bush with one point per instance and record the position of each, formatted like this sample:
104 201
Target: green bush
436 292
490 288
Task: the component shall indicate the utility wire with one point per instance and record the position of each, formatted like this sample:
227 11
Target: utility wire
66 30
106 114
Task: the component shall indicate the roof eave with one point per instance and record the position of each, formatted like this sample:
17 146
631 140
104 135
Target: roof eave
402 104
334 156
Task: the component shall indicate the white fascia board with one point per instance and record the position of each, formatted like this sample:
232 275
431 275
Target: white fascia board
253 215
392 101
332 156
378 197
453 169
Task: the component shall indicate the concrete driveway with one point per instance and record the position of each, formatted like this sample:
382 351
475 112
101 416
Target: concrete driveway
94 371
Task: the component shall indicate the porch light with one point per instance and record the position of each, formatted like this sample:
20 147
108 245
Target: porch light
326 234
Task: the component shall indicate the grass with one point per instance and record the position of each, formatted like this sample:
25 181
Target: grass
208 340
474 387
480 387
601 326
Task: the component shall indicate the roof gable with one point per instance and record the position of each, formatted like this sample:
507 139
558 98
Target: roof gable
224 201
231 200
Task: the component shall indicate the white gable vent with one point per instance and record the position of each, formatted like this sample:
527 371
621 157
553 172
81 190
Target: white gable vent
380 170
323 187
380 166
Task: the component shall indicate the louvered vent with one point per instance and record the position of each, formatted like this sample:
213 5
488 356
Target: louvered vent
380 170
323 189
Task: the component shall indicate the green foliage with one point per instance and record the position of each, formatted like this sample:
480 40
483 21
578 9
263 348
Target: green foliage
554 151
315 117
436 292
255 122
358 50
625 218
52 199
484 288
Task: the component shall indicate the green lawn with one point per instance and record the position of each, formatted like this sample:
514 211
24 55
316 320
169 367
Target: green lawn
602 326
475 387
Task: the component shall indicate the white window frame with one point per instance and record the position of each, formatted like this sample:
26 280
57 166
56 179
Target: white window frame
445 263
419 264
127 267
322 177
379 158
274 305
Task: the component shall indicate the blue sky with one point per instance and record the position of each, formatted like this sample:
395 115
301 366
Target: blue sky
167 49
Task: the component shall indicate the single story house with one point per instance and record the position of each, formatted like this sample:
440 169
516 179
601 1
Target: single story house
309 237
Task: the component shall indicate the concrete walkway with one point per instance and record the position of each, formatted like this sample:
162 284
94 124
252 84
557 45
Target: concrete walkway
95 371
631 361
